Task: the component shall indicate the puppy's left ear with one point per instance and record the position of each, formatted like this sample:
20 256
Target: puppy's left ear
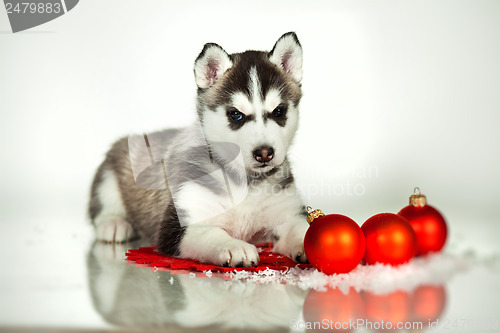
287 54
210 65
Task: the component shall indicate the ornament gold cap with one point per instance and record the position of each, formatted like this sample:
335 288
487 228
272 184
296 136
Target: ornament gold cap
417 199
313 214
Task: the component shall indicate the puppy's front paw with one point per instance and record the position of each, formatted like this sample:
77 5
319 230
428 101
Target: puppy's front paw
237 253
299 255
294 250
290 242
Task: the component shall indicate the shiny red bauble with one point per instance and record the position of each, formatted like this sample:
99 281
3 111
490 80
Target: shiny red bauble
334 244
390 239
428 224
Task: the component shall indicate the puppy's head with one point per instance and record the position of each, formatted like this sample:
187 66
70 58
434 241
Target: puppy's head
251 99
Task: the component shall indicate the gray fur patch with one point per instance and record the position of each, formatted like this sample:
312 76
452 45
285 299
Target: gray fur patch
286 181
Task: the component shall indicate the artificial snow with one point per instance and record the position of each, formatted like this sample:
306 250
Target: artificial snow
378 278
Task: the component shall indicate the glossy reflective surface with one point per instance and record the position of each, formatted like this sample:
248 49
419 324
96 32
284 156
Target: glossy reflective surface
56 276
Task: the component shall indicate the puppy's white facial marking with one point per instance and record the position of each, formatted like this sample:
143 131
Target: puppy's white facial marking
243 104
255 88
250 104
272 100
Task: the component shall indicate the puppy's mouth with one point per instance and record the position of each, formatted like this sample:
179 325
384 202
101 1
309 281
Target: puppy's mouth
262 167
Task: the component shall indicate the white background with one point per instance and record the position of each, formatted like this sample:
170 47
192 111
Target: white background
397 94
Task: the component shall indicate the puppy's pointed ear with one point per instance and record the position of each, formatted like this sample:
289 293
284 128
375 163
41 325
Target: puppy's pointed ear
210 65
287 54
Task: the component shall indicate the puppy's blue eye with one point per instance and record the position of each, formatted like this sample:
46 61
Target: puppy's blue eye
236 115
279 112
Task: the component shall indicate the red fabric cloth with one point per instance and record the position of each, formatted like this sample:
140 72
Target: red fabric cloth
149 256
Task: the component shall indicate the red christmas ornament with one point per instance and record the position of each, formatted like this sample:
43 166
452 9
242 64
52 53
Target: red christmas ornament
390 239
428 224
333 243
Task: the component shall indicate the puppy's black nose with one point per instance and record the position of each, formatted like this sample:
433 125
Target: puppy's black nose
263 154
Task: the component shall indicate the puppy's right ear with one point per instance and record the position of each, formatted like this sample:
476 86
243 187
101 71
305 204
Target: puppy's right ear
210 65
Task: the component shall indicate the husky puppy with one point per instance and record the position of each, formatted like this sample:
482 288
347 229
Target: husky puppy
210 191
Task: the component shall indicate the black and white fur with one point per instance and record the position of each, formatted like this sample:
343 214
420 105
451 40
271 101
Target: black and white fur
228 181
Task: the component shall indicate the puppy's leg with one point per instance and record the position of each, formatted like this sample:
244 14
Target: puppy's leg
203 242
289 237
213 245
106 209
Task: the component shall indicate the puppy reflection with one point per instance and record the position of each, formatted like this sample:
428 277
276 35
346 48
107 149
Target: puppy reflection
128 296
